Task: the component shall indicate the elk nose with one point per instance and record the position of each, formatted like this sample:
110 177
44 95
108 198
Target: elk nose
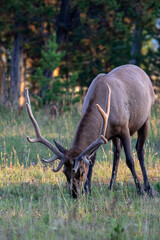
74 171
75 167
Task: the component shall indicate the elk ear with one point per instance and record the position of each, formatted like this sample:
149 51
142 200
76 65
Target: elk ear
60 147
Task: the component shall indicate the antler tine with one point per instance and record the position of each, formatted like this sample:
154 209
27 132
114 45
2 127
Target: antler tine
88 151
49 160
30 114
53 159
105 115
39 138
101 140
59 166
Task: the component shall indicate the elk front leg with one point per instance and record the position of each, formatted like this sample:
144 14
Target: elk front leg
126 141
87 185
117 151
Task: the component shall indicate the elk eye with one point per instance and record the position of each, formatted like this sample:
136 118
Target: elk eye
82 174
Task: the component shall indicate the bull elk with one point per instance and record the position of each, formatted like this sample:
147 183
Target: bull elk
124 98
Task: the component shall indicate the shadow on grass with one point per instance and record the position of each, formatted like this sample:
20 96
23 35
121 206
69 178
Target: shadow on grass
33 210
37 191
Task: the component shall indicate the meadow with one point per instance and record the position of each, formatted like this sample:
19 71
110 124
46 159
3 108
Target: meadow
33 200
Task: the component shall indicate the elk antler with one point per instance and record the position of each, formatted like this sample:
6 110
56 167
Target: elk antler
40 139
101 140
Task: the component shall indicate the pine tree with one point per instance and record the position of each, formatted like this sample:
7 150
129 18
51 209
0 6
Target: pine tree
54 89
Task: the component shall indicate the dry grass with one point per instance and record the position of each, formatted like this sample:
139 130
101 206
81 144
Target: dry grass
34 202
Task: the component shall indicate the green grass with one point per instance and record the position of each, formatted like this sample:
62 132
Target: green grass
33 200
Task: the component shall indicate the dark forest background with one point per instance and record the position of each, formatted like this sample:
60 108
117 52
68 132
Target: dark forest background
56 48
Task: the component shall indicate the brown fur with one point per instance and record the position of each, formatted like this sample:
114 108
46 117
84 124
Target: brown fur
132 97
131 101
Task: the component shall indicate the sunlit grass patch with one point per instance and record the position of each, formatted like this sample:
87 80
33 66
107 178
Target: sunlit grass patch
34 203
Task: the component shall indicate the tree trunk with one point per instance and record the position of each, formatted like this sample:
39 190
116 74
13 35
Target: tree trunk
22 81
66 21
3 89
62 31
16 68
136 45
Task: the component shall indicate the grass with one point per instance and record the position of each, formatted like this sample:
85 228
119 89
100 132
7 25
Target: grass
33 200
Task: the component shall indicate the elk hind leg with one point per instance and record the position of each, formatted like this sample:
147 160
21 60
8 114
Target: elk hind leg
142 134
126 141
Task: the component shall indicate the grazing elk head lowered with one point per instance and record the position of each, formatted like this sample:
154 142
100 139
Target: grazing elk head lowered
75 161
127 111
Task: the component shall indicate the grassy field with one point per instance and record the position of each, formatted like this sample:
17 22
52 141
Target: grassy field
33 200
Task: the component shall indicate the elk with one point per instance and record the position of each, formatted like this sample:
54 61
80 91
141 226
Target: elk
116 105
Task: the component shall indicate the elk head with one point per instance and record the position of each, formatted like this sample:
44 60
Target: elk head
75 162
